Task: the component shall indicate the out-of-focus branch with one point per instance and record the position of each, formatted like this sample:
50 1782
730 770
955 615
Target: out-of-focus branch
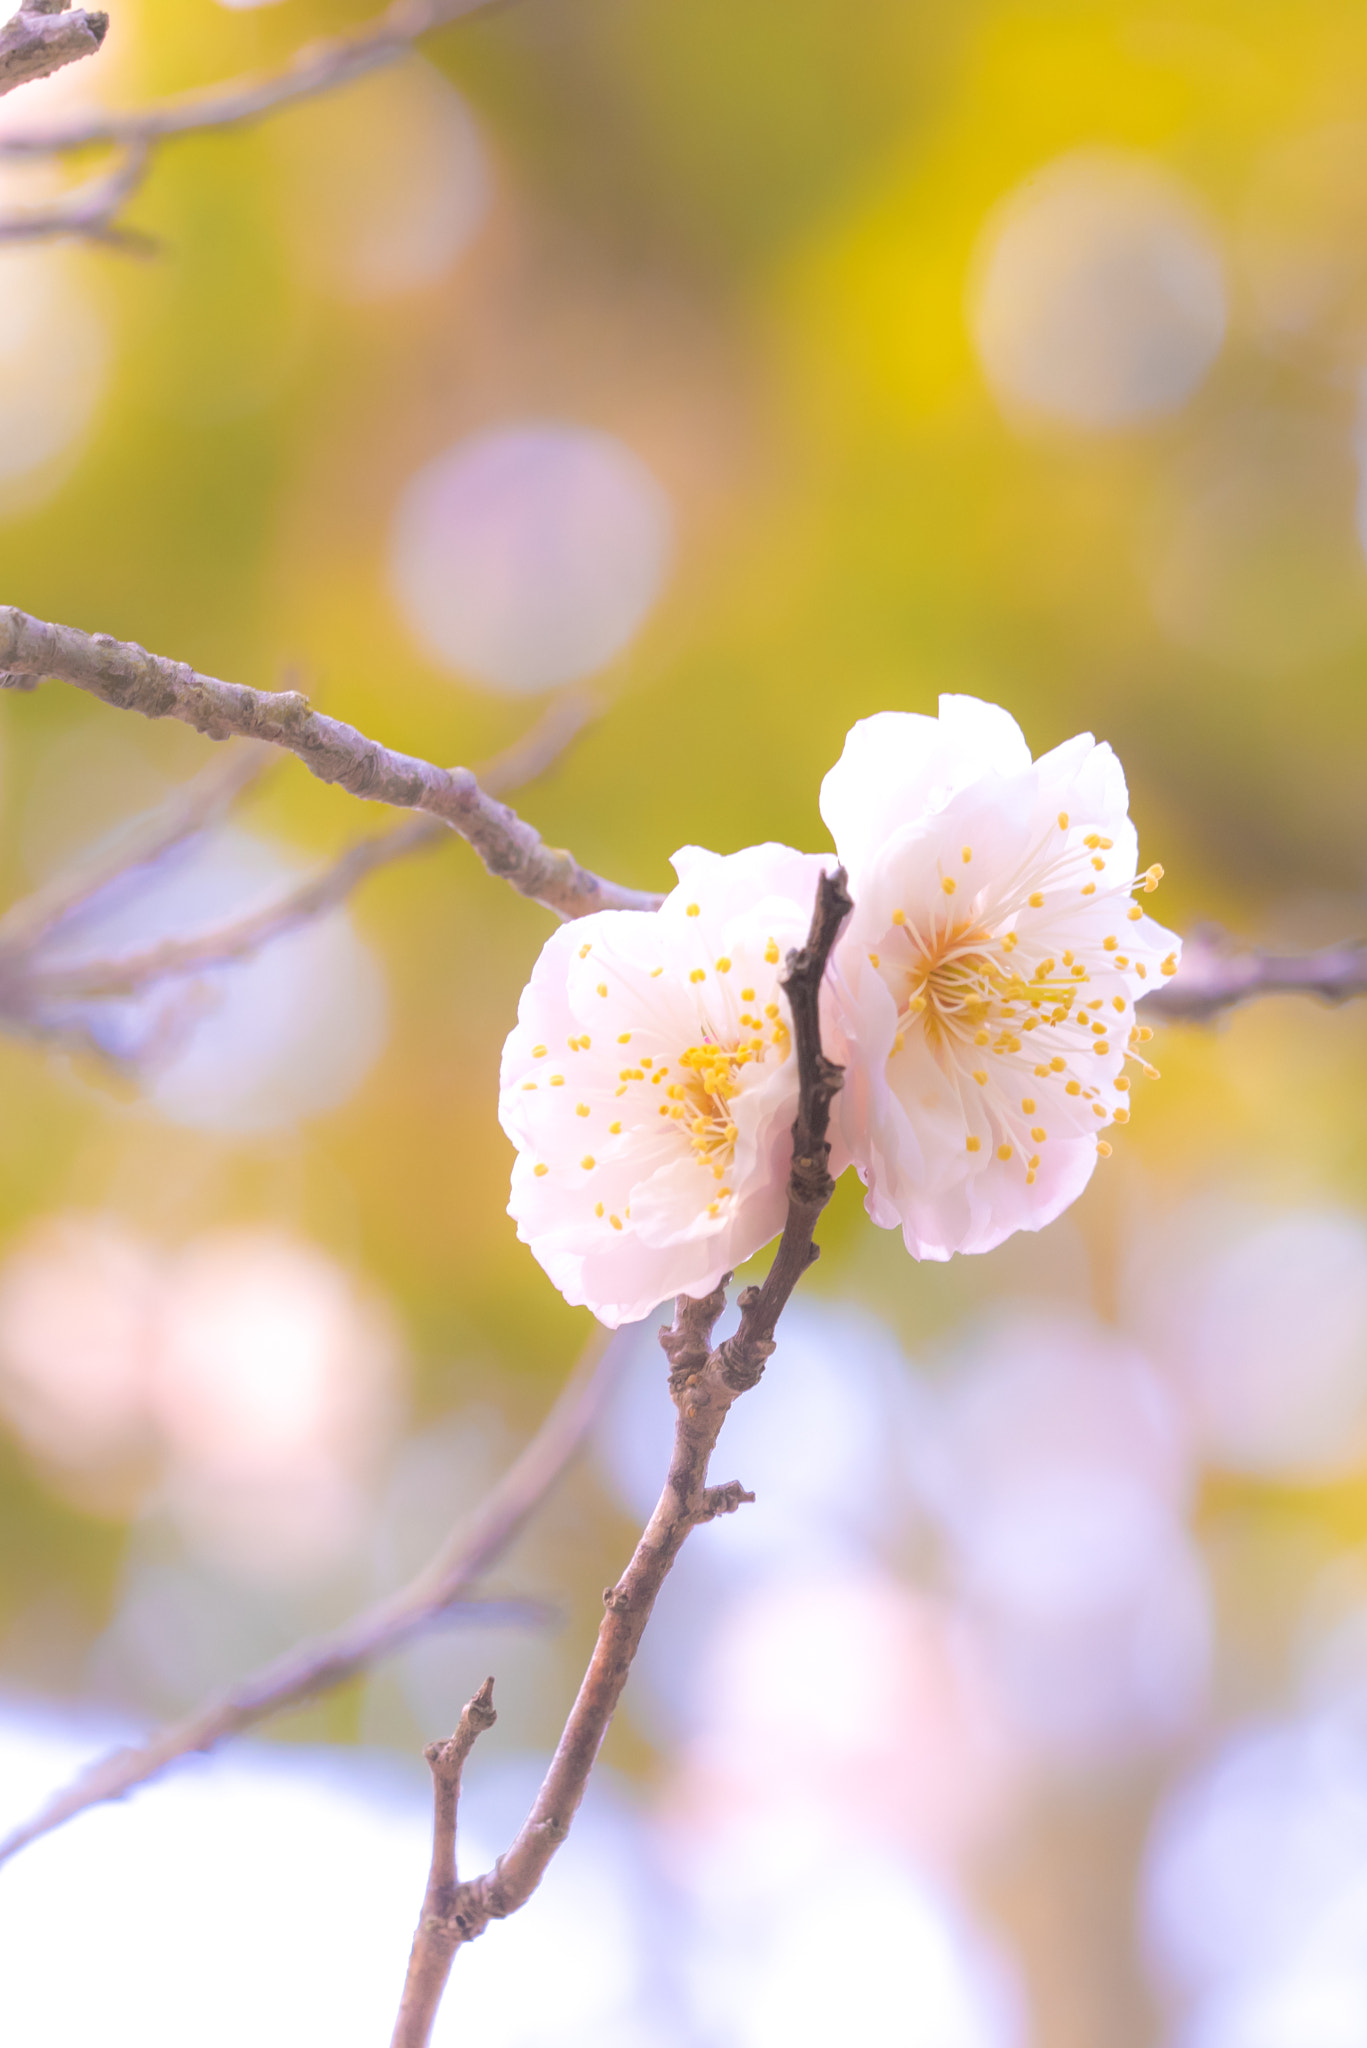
126 676
704 1383
1215 974
43 36
438 1593
239 938
196 804
316 69
89 211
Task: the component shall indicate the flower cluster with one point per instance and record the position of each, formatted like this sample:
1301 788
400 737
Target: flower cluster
981 998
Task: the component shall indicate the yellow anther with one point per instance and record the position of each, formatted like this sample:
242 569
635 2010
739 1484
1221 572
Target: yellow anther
1121 960
1003 1151
1141 970
1103 1148
1097 861
694 909
1170 964
614 1130
1110 944
1010 942
1089 888
597 1208
1117 1002
1101 1046
616 1222
771 1010
873 960
714 1208
1033 1161
1097 1110
602 988
698 974
1030 1178
620 1091
974 1144
1120 1113
968 853
771 952
655 974
664 1109
581 1109
723 965
587 1162
899 917
675 1092
1099 1029
1041 1073
980 1077
982 1038
1063 821
528 1085
1036 900
625 1038
584 951
1073 1088
557 1080
1028 1104
898 1042
1039 1137
538 1052
1152 877
1057 1064
948 884
1122 1081
539 1170
1067 960
1079 972
1135 912
747 995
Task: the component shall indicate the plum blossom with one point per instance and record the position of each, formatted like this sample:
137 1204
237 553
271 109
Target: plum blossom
649 1087
988 975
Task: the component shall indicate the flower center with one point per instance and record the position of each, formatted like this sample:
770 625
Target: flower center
955 985
709 1085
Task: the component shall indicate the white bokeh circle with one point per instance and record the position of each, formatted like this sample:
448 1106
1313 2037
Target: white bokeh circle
529 555
1099 297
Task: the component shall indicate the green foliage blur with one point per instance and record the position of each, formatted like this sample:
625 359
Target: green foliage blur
741 239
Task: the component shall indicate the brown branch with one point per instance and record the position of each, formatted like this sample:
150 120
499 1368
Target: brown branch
31 983
43 37
704 1383
439 1590
429 1964
1214 976
317 69
126 676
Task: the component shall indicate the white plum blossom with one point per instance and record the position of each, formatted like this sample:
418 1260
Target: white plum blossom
650 1085
988 975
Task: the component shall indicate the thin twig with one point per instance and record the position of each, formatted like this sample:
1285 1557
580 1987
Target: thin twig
704 1383
129 678
317 69
438 1591
88 211
430 1962
43 37
36 984
196 804
1214 975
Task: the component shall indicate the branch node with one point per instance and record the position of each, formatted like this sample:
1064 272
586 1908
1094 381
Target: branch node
616 1599
721 1500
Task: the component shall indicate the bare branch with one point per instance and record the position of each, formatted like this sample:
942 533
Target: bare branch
1214 975
704 1384
435 1943
313 70
33 984
88 211
43 37
194 805
48 39
437 1594
126 676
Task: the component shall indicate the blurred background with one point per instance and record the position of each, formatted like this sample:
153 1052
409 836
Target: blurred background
760 368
